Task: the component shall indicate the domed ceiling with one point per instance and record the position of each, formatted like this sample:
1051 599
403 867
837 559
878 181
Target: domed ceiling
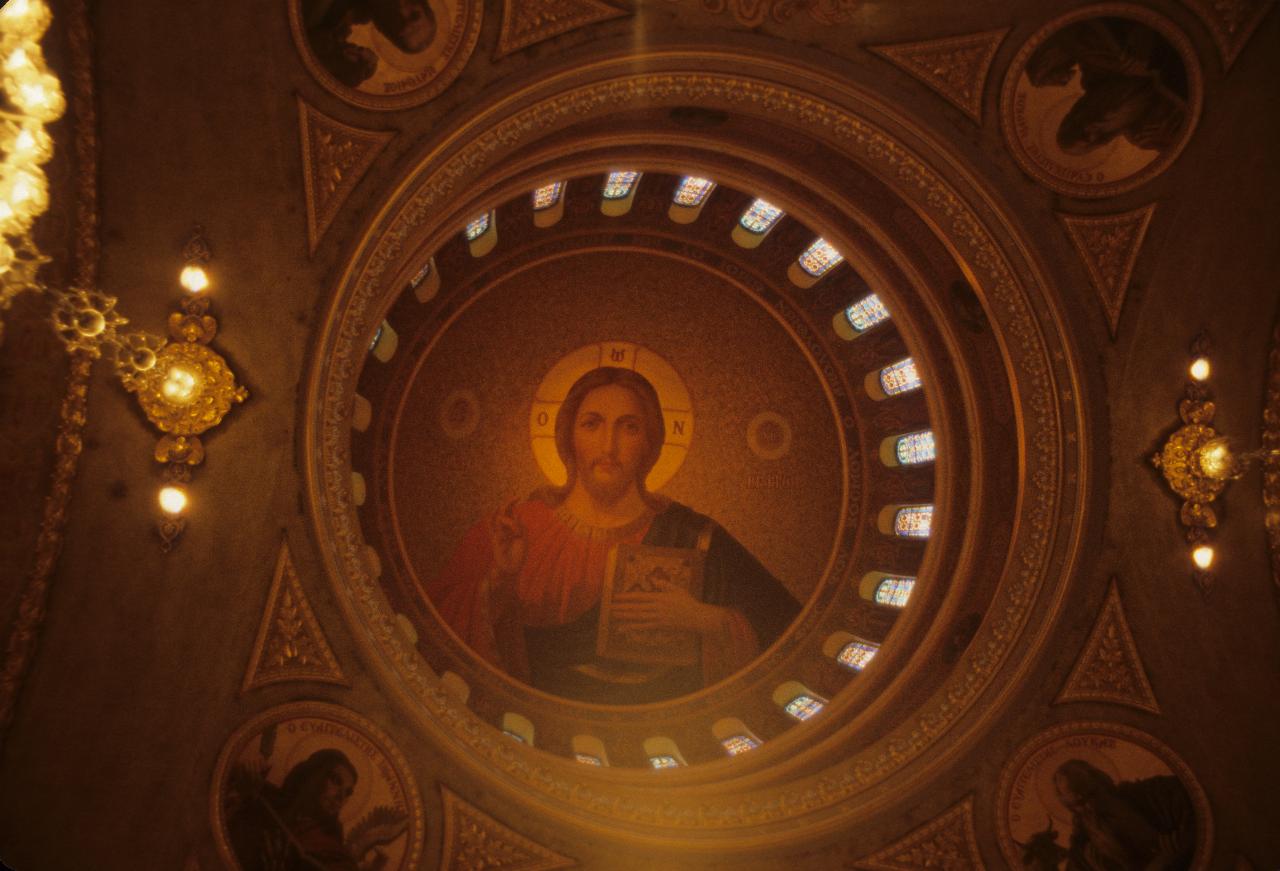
506 613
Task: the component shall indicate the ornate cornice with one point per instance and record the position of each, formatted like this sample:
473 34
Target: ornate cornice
1041 532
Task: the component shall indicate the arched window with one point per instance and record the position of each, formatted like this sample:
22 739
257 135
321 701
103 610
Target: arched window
798 700
820 258
910 449
760 217
426 281
906 521
884 588
482 234
589 750
547 196
693 191
517 727
857 654
755 223
619 185
893 380
690 196
383 345
619 192
357 489
734 736
548 204
866 313
662 752
900 377
478 226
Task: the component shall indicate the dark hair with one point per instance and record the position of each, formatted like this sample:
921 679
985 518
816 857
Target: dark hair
655 427
322 761
1084 779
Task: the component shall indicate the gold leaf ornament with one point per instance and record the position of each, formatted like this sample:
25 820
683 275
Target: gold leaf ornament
189 389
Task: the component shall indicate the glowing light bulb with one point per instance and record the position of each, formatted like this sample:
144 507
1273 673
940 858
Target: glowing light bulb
32 144
180 386
1200 368
1215 459
19 60
194 278
1202 556
39 96
173 500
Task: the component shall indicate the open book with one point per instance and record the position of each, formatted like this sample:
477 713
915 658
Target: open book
636 568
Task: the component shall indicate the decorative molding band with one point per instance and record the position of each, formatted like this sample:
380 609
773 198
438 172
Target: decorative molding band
335 156
1231 22
1271 466
526 22
947 842
955 67
754 12
1109 668
1109 247
20 646
475 841
290 643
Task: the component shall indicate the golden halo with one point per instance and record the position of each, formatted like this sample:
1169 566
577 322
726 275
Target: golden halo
673 396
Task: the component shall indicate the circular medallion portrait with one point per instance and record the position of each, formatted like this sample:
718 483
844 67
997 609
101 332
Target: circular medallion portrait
313 785
609 536
1102 100
385 54
1101 795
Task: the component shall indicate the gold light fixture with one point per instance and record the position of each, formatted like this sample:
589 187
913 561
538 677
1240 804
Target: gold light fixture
188 389
1197 463
32 98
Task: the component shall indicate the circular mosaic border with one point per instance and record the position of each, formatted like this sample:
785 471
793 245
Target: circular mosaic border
1049 522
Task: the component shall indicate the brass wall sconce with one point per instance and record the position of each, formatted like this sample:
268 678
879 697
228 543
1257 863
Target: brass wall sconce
188 389
1197 463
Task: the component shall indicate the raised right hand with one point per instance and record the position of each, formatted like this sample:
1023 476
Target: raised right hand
508 537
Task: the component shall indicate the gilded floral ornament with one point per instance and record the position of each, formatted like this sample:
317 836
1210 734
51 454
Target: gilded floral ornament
1179 461
85 320
189 390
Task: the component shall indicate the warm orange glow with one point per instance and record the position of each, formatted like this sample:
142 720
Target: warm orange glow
1202 556
173 500
1200 368
194 278
1216 460
180 385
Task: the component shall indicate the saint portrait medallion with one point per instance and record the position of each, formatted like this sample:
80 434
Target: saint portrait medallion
385 54
1101 795
1102 100
311 784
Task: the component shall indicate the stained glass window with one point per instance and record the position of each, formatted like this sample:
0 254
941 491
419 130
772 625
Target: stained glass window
547 196
664 762
693 190
760 217
515 735
894 591
803 706
857 654
618 185
376 337
901 377
736 744
588 759
916 447
866 313
476 227
820 258
913 521
422 275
